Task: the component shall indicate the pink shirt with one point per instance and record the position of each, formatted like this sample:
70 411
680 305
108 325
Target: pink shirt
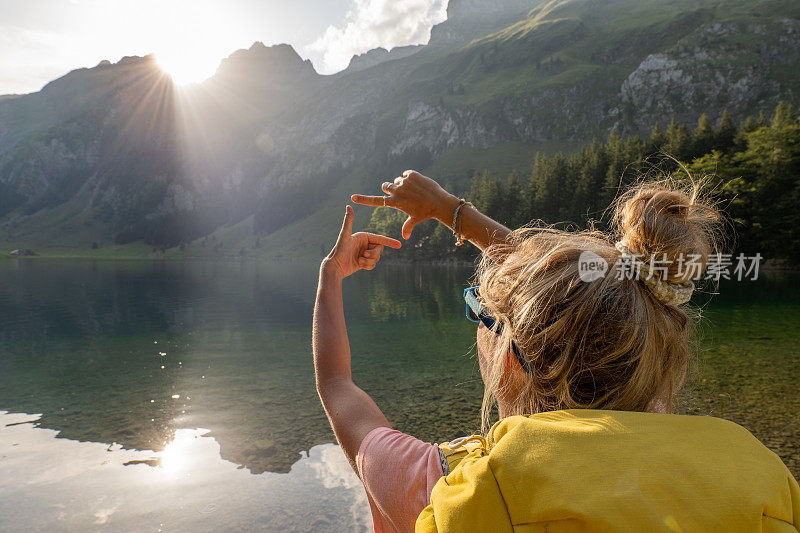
398 472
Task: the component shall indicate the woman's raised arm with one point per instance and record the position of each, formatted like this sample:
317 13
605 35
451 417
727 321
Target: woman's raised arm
351 412
421 198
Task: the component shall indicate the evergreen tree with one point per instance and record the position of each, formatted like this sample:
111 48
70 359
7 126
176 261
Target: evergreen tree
591 166
515 202
487 195
656 141
762 118
703 137
617 162
677 145
783 116
769 187
531 206
740 138
547 183
726 133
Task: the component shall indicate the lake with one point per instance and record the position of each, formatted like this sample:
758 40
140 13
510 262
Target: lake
166 396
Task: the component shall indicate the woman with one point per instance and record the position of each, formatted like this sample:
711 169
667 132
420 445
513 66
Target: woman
583 371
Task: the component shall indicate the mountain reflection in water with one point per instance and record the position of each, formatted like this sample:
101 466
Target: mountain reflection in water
53 483
129 352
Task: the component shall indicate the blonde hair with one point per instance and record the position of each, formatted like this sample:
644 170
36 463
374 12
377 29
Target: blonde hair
609 343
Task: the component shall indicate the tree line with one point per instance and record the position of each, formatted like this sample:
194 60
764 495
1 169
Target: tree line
752 168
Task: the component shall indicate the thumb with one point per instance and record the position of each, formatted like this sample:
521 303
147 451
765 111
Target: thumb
347 223
408 226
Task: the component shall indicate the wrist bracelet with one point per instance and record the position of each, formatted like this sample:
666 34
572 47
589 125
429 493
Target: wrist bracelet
457 229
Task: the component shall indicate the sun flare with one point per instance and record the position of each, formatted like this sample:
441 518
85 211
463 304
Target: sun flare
177 455
189 39
187 66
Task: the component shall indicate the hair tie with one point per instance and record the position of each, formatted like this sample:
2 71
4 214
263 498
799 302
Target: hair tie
666 292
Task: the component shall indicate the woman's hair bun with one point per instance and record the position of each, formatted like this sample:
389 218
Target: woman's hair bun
669 221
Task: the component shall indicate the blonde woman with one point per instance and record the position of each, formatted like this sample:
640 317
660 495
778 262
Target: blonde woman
583 371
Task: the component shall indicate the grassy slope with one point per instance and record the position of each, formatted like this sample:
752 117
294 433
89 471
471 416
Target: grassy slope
65 227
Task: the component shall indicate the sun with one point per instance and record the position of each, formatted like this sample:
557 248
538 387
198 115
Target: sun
190 37
187 66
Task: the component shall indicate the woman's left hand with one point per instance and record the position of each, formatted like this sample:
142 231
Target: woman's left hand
354 251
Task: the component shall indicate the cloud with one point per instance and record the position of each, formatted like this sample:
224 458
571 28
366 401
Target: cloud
29 58
377 23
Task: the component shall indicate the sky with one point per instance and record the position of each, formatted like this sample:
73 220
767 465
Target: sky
41 40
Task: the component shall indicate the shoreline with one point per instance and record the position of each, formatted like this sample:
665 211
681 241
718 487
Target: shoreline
768 266
225 259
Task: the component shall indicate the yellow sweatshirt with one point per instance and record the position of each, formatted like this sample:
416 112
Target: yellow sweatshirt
596 470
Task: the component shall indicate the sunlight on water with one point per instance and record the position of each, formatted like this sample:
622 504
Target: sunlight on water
184 487
177 454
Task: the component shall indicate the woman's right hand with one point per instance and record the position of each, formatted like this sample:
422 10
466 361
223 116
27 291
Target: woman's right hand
354 251
418 196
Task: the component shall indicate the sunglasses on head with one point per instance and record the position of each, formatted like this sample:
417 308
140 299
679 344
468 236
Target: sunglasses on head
477 313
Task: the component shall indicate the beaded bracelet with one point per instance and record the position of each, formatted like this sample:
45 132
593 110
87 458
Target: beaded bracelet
457 230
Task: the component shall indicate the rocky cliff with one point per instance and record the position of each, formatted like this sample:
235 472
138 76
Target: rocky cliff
378 55
740 66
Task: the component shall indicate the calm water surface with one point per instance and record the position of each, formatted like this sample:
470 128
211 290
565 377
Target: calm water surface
146 396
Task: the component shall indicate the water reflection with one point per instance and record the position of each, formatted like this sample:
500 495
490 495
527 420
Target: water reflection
128 352
73 485
136 352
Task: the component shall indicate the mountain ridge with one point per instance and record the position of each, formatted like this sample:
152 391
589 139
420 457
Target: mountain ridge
283 137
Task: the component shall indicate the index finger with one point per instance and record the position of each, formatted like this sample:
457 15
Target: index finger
347 223
374 201
386 241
